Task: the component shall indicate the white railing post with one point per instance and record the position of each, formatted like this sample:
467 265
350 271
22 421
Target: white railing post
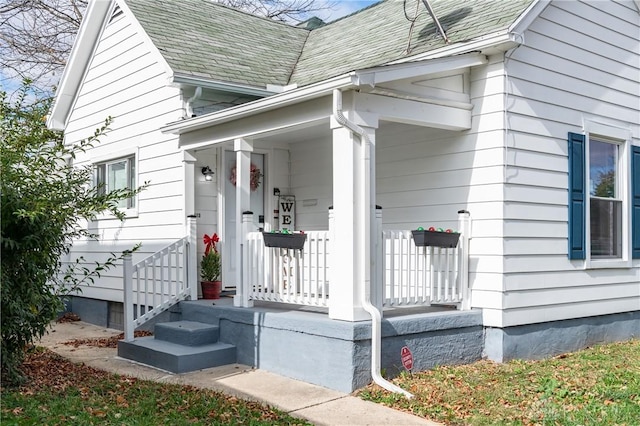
191 264
330 248
245 283
464 225
127 271
377 290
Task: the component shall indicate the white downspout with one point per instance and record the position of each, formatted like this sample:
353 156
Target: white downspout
376 316
189 107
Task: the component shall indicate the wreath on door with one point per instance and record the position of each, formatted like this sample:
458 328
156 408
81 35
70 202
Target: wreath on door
254 179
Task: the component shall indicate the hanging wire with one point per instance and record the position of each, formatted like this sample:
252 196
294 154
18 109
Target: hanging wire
413 23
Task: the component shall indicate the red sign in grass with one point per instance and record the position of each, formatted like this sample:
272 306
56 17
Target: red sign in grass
407 357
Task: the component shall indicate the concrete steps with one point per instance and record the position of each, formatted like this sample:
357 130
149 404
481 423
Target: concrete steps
179 347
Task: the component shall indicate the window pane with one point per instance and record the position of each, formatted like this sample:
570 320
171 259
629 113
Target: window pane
117 173
603 157
100 178
132 180
606 225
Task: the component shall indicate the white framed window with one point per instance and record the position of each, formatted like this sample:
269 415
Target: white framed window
600 196
118 172
606 198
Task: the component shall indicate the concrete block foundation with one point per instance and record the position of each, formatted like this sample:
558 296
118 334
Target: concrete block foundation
309 346
537 341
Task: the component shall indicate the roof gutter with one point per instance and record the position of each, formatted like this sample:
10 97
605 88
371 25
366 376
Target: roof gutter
500 38
182 79
261 105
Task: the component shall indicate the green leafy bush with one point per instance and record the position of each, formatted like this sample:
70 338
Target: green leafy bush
44 204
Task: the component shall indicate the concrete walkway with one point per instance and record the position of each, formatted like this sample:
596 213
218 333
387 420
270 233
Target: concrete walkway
318 405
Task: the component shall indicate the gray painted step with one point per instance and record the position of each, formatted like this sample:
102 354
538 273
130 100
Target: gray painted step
174 357
188 333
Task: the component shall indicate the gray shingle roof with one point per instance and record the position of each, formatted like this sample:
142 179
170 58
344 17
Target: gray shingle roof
380 34
204 39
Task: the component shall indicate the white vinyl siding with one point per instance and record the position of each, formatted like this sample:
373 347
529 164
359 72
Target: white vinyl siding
126 82
570 69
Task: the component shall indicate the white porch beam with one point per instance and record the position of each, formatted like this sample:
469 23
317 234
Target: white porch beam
269 122
375 76
414 112
278 101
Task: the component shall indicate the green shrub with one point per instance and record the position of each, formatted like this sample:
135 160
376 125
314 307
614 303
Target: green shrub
44 204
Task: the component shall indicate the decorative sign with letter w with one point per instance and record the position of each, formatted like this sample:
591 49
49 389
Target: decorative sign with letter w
287 207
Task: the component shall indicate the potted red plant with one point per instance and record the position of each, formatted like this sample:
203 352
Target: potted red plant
210 269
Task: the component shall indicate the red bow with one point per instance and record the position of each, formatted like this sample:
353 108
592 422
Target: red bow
210 242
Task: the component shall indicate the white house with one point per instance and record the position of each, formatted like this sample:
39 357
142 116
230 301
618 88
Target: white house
525 114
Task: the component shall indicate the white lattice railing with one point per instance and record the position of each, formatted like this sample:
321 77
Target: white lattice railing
290 276
420 275
159 281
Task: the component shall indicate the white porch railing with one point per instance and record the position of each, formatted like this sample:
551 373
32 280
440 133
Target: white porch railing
413 276
290 276
159 281
419 275
409 275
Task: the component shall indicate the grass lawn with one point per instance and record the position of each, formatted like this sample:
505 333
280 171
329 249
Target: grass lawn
62 393
597 386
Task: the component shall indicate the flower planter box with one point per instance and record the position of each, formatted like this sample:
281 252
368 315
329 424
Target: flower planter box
435 239
288 241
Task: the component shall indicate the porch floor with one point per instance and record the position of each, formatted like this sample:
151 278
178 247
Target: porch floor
226 300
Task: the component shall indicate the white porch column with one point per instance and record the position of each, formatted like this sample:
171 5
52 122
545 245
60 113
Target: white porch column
354 217
189 190
243 149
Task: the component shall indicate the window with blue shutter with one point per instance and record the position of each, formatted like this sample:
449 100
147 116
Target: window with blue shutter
599 173
635 202
577 196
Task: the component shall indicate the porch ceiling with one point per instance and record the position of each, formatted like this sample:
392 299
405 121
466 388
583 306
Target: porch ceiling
321 130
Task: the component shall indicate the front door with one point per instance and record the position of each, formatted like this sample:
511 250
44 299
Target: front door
257 207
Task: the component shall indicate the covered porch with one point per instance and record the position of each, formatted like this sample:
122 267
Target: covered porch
320 146
392 137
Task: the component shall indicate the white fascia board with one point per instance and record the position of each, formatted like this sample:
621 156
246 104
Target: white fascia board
261 105
402 71
91 28
187 80
488 41
525 19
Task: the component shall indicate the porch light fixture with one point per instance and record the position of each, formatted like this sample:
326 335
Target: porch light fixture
208 173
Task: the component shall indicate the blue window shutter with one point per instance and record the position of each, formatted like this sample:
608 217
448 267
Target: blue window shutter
577 196
635 202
